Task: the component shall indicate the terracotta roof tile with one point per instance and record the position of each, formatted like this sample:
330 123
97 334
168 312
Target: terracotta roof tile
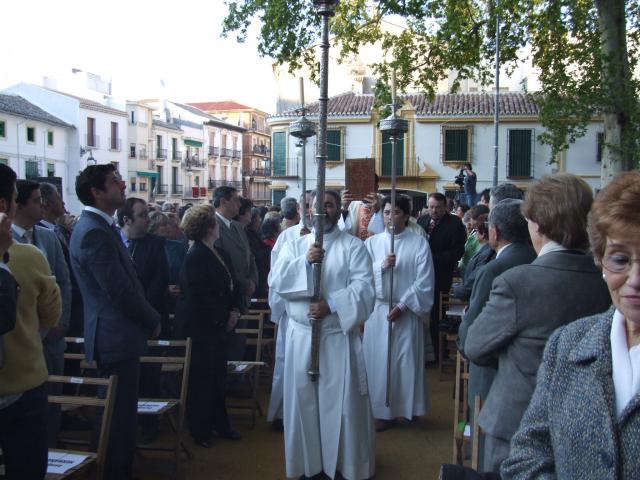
443 105
224 105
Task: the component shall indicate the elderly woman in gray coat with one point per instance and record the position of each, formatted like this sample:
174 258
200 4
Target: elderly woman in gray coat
584 418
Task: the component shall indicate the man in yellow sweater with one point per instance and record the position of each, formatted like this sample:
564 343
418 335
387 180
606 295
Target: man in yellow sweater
23 399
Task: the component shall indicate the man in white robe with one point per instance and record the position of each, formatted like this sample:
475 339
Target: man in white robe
328 425
413 281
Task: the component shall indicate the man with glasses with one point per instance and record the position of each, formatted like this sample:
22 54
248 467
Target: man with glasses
150 260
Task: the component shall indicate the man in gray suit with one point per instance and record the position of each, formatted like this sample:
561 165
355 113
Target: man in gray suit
233 240
26 230
118 319
509 237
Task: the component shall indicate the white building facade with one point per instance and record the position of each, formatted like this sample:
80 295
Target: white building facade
443 135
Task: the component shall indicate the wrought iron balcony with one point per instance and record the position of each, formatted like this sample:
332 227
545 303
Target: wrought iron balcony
236 154
261 150
163 189
176 189
176 155
214 151
226 152
161 153
261 172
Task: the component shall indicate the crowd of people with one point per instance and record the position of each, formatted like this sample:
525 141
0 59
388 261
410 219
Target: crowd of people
529 266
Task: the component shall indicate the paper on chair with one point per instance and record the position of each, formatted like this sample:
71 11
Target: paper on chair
241 368
61 462
151 407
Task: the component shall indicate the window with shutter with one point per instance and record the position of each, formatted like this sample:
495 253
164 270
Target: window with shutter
3 129
456 144
277 196
386 156
600 146
334 146
279 160
519 151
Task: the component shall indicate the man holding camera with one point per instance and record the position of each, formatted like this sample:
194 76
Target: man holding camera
467 181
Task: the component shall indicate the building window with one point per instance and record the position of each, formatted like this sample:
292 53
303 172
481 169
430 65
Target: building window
133 117
386 155
50 138
114 141
334 146
277 195
3 129
31 169
132 150
519 149
92 141
51 170
143 187
31 134
600 146
279 160
456 144
133 184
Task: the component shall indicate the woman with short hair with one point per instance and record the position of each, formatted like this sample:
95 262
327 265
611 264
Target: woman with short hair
209 307
528 302
584 418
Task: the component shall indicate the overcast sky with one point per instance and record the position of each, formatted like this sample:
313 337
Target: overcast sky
137 43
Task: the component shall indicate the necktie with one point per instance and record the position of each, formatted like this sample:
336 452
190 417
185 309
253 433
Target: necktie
432 226
132 248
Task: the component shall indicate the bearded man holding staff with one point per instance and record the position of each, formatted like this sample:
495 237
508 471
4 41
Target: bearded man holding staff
327 423
412 299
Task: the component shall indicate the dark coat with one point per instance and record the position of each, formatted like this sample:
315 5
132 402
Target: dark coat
206 299
447 247
527 303
481 377
8 305
480 259
118 319
570 429
150 259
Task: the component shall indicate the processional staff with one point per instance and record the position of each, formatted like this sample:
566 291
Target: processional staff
326 9
395 127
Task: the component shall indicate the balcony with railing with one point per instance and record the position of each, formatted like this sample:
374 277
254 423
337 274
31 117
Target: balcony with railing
161 153
261 172
176 155
196 192
214 151
193 161
226 152
163 189
176 189
224 183
261 150
236 154
114 144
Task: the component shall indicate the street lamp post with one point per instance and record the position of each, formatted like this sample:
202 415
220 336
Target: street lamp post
303 128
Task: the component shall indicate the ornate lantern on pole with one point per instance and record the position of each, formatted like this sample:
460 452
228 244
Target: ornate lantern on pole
395 127
303 128
326 9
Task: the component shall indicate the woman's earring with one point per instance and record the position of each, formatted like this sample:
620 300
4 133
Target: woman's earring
604 277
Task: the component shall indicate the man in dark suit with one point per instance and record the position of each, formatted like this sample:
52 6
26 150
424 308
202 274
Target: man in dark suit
509 237
233 241
8 285
447 237
118 319
150 260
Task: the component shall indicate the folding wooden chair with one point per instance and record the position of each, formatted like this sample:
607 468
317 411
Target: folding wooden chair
250 370
449 315
174 408
95 460
269 332
460 410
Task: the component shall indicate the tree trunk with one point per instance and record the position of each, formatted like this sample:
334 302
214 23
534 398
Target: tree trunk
618 154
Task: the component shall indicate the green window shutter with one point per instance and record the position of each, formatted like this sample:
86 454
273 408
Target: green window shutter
31 170
334 146
519 153
456 145
3 129
50 138
277 196
386 156
279 150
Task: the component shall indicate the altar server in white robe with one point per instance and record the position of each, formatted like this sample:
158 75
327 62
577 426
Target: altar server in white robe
279 317
328 424
413 284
